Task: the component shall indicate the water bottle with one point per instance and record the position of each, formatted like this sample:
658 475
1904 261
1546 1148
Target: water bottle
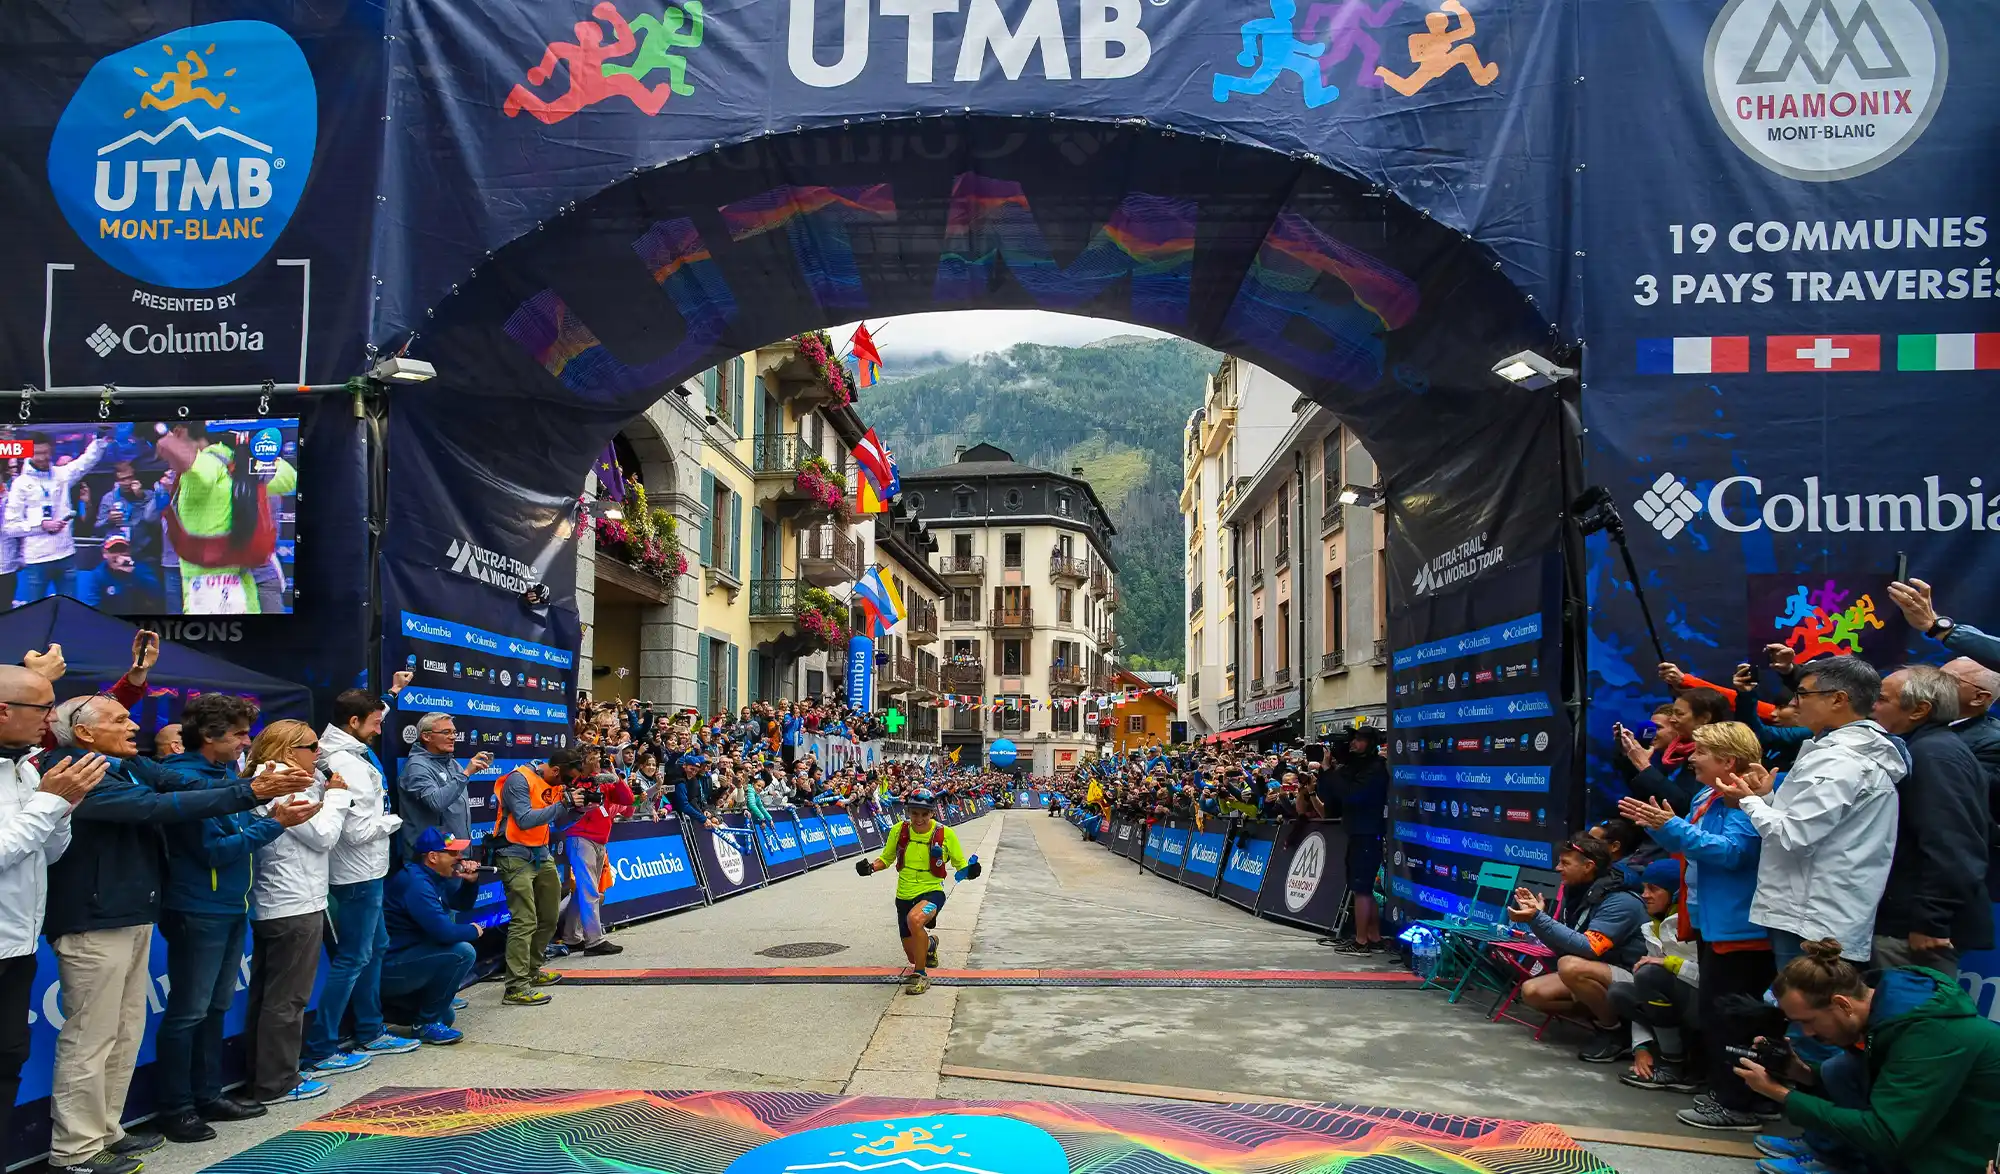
960 874
1424 957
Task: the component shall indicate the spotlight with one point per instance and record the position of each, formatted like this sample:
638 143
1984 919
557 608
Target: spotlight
398 369
611 513
1530 371
1369 496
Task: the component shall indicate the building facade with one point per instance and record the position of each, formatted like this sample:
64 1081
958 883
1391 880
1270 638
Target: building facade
1306 649
907 665
1144 718
1028 620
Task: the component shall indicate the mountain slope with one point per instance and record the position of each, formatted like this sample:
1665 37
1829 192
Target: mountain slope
1117 409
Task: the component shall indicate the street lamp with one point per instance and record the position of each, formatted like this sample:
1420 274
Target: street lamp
1530 371
1368 496
400 369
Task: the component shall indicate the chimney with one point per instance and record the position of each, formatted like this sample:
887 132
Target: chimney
1076 470
958 454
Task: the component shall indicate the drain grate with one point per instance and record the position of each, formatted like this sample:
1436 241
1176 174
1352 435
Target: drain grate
802 950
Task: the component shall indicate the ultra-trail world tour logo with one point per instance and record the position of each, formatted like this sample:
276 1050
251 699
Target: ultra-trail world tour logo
180 160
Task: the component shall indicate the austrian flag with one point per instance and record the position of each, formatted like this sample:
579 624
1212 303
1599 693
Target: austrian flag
1823 352
1694 356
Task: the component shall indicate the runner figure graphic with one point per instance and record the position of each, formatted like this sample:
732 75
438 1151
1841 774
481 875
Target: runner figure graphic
589 82
1271 39
662 34
1343 24
1437 51
179 86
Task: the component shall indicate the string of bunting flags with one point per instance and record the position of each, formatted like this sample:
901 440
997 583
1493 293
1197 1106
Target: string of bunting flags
1111 699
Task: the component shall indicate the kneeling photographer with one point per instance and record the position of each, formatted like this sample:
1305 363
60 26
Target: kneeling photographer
431 952
1914 1088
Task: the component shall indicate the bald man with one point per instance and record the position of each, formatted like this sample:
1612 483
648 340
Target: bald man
1979 728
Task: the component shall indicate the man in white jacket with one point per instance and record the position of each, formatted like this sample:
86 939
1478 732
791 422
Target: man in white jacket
1830 831
34 831
40 513
355 871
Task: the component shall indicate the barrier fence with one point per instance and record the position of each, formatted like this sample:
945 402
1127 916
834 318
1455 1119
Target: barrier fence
1290 872
658 866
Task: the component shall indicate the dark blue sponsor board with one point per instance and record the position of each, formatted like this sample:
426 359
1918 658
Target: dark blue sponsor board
1305 880
1171 853
1531 853
1128 837
779 842
815 841
652 871
1202 868
729 859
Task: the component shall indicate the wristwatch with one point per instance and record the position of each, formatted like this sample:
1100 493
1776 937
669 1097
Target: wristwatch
1940 629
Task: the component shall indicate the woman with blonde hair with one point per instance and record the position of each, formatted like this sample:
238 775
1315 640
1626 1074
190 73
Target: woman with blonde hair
288 899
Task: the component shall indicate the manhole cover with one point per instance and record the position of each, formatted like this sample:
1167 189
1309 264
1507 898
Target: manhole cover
803 950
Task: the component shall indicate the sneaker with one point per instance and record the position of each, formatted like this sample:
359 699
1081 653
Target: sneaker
1665 1078
1352 948
555 950
185 1128
546 978
104 1163
304 1090
1608 1046
1714 1115
930 952
459 1004
527 998
1766 1109
603 948
438 1035
1805 1165
143 1141
918 984
390 1045
1773 1146
336 1064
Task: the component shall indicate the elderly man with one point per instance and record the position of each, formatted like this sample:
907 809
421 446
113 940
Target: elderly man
1935 903
40 513
104 898
1979 729
434 786
34 832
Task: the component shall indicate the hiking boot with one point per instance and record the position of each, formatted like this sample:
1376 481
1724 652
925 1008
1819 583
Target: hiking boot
930 951
918 984
1666 1077
546 978
1716 1115
526 998
439 1035
1608 1046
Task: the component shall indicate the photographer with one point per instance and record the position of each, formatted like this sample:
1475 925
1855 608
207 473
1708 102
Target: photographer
1354 776
430 952
1915 1085
530 801
433 786
603 800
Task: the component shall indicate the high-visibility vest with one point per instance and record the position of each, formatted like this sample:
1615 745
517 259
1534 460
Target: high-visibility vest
542 792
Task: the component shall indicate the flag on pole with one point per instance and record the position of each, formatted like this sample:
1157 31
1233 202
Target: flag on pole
610 478
867 500
954 754
874 462
881 601
867 360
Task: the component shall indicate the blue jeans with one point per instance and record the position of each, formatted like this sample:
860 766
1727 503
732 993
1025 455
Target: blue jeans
354 971
204 954
1843 1079
39 580
433 971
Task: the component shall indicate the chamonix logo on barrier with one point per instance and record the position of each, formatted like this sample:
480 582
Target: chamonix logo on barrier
1741 505
1825 89
1303 877
179 161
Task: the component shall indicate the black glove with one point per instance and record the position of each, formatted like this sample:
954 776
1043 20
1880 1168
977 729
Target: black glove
864 867
973 870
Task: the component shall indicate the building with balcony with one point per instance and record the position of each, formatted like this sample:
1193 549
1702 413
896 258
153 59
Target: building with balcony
908 676
1244 411
1144 719
1028 614
1309 631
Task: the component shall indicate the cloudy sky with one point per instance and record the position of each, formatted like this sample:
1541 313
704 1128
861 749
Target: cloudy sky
963 333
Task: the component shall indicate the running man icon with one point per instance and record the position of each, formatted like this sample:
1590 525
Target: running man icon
1343 33
1270 46
589 82
660 35
1435 53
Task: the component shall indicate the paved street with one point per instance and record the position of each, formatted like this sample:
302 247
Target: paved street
1047 901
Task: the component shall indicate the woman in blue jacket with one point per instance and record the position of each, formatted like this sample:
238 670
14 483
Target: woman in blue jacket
1720 846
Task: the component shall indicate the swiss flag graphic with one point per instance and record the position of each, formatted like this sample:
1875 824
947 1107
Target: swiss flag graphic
1823 352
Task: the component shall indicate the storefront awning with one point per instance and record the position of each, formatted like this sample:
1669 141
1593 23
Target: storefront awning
1232 735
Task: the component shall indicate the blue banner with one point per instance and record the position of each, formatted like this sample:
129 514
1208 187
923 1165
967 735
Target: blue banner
861 670
1528 852
418 627
1204 853
1247 862
815 841
417 699
1473 778
652 871
1492 709
1525 630
779 842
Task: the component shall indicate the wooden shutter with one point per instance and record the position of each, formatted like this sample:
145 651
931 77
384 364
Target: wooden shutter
757 548
709 379
736 395
734 704
701 675
756 668
736 507
758 430
708 527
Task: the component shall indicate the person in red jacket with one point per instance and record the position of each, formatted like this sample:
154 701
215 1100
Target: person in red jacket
582 925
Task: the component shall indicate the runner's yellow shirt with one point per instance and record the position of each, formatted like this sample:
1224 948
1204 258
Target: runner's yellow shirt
914 877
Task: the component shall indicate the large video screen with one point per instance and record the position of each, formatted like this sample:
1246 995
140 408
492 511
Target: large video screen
151 518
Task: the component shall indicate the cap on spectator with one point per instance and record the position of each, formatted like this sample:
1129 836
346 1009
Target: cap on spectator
433 840
1664 873
116 542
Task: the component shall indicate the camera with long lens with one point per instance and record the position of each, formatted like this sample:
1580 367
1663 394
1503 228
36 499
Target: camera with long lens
1774 1055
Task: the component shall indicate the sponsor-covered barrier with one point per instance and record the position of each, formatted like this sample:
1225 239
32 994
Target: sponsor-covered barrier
730 862
1291 872
652 871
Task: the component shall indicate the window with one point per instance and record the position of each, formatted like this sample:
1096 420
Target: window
1284 636
1257 648
1331 475
1012 601
1065 603
1062 504
1011 548
1013 499
964 605
721 513
818 432
1065 719
1336 614
1013 657
961 547
1012 716
1257 543
1283 554
1136 724
1065 546
815 683
962 504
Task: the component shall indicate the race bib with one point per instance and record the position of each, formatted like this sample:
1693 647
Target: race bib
215 595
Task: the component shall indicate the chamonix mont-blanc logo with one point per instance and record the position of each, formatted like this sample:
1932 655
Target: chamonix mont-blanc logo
1668 505
1825 89
180 160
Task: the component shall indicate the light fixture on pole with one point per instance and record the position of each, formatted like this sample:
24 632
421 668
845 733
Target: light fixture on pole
1366 496
1530 371
401 369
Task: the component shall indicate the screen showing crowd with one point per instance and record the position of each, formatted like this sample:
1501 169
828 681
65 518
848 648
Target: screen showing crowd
151 518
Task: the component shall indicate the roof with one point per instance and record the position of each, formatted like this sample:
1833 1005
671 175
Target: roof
983 460
1156 677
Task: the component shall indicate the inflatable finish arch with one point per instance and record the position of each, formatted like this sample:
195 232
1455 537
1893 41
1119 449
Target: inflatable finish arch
1760 229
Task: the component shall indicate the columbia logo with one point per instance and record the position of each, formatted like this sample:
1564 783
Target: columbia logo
103 340
1668 506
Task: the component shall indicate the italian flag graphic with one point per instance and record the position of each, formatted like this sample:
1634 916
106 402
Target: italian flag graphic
1948 352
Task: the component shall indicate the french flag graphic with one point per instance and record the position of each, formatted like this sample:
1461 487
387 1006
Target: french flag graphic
1727 355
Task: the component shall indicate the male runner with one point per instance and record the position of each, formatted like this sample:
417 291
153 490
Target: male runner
924 851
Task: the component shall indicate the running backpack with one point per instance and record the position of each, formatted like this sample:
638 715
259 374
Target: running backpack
937 847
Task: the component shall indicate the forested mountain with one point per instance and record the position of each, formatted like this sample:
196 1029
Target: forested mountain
1116 407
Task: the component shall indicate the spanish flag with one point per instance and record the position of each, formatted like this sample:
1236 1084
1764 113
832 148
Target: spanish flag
867 500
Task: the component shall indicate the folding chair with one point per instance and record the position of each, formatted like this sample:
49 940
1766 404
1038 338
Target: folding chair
1521 959
1463 936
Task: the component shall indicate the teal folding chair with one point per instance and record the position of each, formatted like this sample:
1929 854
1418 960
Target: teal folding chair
1464 936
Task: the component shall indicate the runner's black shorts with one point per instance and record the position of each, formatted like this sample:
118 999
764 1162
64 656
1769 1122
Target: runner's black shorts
1364 860
905 904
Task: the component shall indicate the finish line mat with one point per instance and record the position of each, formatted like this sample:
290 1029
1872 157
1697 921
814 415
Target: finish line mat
552 1131
885 975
